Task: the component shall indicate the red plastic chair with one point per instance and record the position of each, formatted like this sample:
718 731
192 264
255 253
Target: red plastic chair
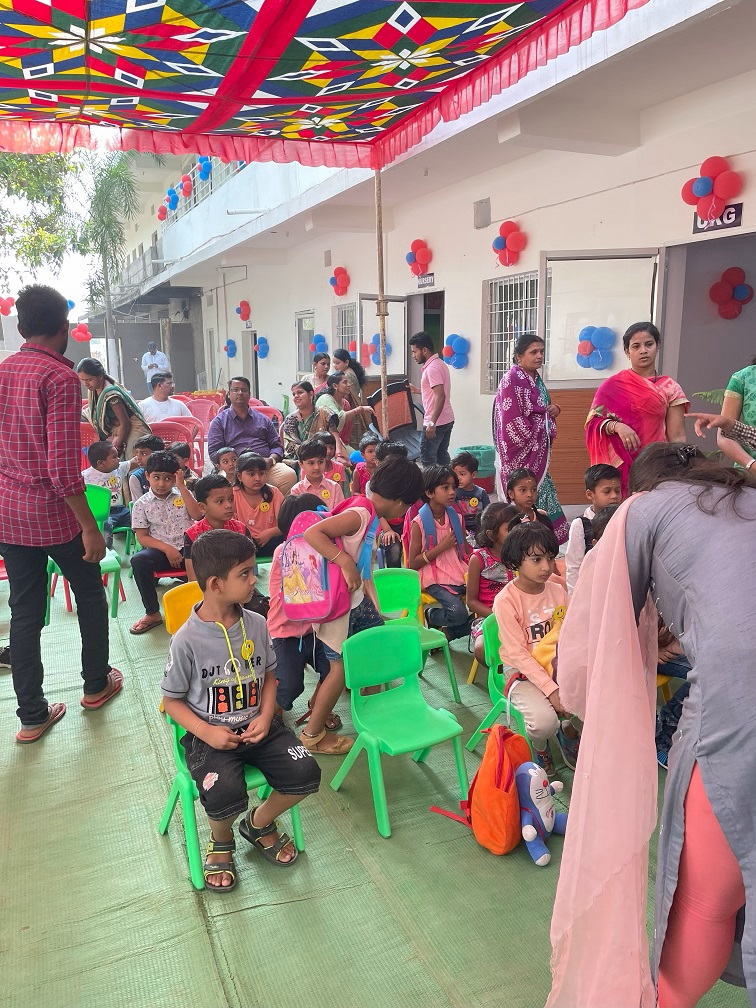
3 571
218 398
88 435
185 397
269 411
195 435
169 431
203 409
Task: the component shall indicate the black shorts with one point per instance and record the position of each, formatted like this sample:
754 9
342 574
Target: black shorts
292 654
219 773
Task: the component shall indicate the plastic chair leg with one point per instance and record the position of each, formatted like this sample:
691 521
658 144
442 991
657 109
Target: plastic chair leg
114 593
421 755
347 765
473 672
53 584
459 759
193 853
170 808
452 677
67 593
379 789
498 708
296 828
121 592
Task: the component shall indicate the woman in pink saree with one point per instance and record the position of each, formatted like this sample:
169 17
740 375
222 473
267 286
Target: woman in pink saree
524 426
636 407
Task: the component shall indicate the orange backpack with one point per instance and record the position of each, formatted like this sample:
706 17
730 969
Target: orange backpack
492 808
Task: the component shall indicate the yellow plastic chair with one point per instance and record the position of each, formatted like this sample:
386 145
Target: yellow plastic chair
178 603
662 683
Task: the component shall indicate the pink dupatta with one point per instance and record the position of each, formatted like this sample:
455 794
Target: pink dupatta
607 676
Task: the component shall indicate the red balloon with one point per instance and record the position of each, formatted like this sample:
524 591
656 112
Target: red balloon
339 269
424 256
721 291
585 347
508 258
728 184
714 166
186 178
749 296
508 228
12 301
353 346
80 335
257 347
4 309
447 351
417 269
244 315
339 291
344 280
418 243
730 309
313 347
516 241
733 276
710 207
688 196
244 304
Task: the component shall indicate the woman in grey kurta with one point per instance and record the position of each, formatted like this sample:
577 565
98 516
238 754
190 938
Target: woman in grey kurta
692 545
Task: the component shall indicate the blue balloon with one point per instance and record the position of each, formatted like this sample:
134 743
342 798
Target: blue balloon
208 166
410 258
356 457
231 348
262 353
461 345
375 358
451 360
603 338
262 342
586 333
204 175
601 359
702 186
740 293
333 281
499 243
171 192
583 360
459 360
449 341
237 310
71 305
203 157
388 350
376 340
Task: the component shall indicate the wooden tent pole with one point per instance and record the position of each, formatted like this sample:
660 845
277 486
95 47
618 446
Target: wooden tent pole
381 308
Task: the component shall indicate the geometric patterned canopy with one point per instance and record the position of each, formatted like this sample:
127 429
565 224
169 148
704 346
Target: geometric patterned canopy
323 82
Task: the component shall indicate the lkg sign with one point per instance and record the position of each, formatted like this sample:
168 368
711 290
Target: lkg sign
731 217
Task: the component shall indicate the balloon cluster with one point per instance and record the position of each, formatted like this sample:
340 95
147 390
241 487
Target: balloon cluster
595 347
714 186
419 256
262 348
186 185
340 281
243 310
731 292
204 167
319 344
6 304
81 333
455 351
230 348
509 242
184 188
375 353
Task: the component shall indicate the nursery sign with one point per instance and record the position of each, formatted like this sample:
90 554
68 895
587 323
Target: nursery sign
731 216
426 280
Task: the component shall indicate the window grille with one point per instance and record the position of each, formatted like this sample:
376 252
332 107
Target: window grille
512 311
346 326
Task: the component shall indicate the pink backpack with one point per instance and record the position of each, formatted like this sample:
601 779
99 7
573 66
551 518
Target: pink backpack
314 590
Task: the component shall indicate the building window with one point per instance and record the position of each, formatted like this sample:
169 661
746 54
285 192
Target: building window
346 326
305 334
512 311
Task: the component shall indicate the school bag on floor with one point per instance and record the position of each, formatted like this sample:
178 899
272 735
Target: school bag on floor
314 590
492 807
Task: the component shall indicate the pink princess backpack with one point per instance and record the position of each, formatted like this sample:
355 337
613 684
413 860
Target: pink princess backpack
314 590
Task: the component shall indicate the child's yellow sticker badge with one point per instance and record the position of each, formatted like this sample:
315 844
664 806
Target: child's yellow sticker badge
474 502
265 506
559 612
247 649
336 476
178 502
325 494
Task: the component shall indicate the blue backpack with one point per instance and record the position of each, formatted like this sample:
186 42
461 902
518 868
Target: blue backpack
431 533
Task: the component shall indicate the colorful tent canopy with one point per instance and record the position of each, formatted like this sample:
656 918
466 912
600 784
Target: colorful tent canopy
322 82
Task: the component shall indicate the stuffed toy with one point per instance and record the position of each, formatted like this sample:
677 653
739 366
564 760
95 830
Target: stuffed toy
537 816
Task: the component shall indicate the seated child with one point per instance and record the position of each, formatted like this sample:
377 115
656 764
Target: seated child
215 499
220 685
107 471
183 453
441 555
364 470
487 575
603 485
144 446
311 457
227 459
258 503
524 610
396 483
159 520
390 537
522 491
295 644
599 523
471 500
335 469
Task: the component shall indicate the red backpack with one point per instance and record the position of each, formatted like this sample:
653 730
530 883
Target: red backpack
492 808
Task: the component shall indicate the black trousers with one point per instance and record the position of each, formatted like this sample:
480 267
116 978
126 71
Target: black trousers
144 564
27 575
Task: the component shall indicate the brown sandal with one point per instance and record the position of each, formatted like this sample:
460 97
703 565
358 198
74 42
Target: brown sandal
323 744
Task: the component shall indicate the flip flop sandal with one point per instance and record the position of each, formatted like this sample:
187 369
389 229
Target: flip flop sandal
141 627
337 745
115 683
272 853
55 713
210 868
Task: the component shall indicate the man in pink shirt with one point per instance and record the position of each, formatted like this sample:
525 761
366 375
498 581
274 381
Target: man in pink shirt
435 387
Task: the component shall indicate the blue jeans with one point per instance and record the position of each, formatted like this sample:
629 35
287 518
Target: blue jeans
362 617
435 451
453 613
669 716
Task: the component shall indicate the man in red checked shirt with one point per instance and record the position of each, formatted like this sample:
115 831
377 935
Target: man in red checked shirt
44 511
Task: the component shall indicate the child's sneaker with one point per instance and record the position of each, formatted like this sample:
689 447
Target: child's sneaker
545 762
5 658
662 756
569 748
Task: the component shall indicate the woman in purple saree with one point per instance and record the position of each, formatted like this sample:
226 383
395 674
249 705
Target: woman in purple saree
524 426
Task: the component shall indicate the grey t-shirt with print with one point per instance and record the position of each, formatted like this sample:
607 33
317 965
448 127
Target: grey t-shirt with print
200 671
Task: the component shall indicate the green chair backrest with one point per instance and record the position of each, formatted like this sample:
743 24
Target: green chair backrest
98 498
491 651
178 733
397 648
398 588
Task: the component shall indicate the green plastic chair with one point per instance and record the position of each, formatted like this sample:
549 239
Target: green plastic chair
397 720
496 682
98 499
398 590
129 533
185 789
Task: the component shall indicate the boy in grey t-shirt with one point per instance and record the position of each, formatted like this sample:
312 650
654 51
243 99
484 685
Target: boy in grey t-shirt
220 686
